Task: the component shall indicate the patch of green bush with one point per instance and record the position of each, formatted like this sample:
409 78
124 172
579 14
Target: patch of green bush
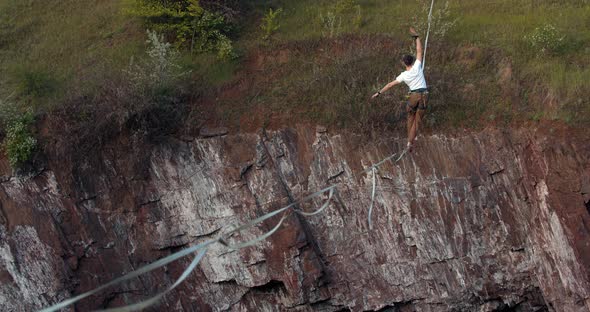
358 20
36 83
191 26
159 75
331 24
270 23
19 142
546 40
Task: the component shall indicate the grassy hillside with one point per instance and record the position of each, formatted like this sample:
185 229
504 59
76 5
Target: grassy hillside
48 47
488 62
483 64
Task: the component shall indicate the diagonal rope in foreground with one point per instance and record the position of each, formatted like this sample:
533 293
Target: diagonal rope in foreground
222 239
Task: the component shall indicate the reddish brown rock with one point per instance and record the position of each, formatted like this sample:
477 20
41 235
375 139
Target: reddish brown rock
480 222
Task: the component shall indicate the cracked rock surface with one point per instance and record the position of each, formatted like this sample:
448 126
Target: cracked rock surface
487 221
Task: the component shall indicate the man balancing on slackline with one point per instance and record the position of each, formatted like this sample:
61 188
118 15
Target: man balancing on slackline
414 78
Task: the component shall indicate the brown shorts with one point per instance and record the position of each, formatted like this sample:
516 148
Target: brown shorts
416 108
417 101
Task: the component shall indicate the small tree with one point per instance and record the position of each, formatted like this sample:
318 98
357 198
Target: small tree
331 24
358 18
158 72
546 40
269 23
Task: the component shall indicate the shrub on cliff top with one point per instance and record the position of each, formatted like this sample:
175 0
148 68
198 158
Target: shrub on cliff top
545 40
270 23
159 70
19 142
191 26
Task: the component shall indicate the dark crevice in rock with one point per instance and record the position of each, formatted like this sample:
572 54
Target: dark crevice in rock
273 286
186 138
499 306
531 300
5 178
245 170
587 204
39 172
327 305
149 202
341 172
69 252
3 216
402 306
305 226
15 252
229 282
106 302
261 155
207 235
321 302
85 199
259 262
442 260
495 171
175 248
206 132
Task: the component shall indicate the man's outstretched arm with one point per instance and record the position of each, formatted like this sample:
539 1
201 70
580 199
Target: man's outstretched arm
387 87
419 50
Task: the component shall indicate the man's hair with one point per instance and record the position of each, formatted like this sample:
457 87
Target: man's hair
408 60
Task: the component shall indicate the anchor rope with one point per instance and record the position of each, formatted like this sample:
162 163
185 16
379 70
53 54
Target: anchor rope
427 35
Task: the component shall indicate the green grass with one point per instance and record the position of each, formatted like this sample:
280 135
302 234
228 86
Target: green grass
496 27
63 42
53 50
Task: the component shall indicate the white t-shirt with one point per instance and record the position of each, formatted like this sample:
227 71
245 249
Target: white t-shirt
414 77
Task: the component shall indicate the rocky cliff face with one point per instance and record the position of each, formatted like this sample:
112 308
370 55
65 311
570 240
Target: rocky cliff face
479 222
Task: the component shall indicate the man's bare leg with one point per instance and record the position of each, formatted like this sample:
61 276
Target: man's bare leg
411 125
418 118
417 121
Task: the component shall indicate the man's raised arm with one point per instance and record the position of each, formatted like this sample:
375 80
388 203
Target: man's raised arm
419 50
